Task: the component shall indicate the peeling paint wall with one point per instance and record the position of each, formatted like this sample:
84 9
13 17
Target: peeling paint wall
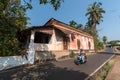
73 42
55 43
84 43
58 41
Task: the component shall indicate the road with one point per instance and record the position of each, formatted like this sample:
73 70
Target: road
62 70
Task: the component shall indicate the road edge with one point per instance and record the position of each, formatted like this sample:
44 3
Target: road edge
98 68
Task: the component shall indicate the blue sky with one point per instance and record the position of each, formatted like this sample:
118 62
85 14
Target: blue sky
75 10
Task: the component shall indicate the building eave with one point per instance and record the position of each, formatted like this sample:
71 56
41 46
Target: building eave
59 24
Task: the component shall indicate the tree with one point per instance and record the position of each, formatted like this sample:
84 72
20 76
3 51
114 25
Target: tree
12 20
114 43
88 30
75 25
94 15
79 26
72 23
55 3
104 39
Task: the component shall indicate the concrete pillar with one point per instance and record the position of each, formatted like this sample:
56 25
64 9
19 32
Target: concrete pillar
31 52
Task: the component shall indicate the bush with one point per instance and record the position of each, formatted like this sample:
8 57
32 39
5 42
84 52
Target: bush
103 74
72 54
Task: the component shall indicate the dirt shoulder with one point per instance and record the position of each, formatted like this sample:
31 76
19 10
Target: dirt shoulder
114 73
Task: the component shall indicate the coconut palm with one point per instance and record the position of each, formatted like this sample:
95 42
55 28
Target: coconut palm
94 14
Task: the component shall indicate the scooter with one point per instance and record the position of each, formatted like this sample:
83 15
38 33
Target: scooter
79 60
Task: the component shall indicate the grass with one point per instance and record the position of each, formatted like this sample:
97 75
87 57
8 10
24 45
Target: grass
88 53
104 72
72 55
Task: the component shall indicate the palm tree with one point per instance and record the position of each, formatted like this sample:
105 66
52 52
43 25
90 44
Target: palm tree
72 23
79 26
104 39
94 15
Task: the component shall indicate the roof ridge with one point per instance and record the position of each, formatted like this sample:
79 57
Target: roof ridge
68 26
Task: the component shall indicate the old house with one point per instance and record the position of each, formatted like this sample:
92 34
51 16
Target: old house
57 38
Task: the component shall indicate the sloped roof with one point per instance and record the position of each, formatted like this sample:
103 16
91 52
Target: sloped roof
41 29
65 27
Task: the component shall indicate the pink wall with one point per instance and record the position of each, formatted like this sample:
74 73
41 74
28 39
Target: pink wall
85 43
73 43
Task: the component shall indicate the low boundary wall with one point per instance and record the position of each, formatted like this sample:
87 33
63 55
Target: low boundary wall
12 61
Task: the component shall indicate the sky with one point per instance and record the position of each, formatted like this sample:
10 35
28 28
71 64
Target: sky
76 10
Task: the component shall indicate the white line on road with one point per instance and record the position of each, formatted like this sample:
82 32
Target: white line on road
99 68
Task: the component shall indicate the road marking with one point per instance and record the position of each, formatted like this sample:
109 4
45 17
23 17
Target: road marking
99 68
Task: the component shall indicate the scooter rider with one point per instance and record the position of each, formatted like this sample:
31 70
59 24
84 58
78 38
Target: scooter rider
83 54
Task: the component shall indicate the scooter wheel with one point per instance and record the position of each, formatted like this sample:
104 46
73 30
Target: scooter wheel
76 62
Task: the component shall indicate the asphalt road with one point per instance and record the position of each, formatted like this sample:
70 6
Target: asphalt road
62 70
79 72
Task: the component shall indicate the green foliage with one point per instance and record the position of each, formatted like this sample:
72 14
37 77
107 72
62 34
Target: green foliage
98 44
88 30
114 43
55 3
76 25
72 54
12 20
104 39
72 23
103 74
106 69
79 26
94 14
94 17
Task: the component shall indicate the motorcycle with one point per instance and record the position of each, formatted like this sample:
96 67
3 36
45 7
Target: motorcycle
80 60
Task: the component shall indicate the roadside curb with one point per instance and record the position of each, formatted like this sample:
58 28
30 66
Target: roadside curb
88 78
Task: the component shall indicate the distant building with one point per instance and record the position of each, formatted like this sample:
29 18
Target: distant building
57 38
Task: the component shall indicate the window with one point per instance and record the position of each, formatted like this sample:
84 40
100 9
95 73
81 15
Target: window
42 37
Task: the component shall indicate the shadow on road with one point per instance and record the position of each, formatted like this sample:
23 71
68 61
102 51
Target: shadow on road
105 53
47 71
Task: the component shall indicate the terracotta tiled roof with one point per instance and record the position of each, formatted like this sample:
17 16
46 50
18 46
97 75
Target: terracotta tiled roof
65 27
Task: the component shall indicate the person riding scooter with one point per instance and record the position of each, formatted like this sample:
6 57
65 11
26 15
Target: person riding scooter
83 55
82 58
